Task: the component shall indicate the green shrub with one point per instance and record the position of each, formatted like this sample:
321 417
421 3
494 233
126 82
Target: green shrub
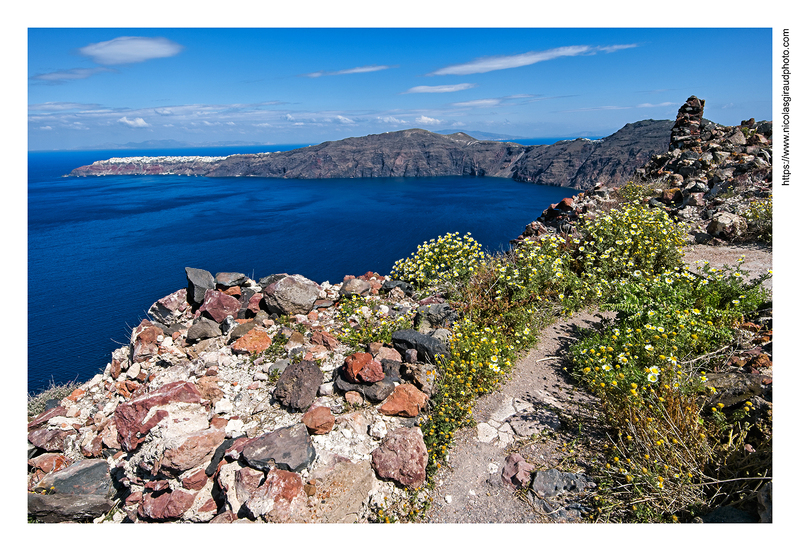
759 219
443 262
364 322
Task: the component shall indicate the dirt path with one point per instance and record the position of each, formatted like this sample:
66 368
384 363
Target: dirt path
540 414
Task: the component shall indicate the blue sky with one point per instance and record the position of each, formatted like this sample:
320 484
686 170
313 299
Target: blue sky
93 86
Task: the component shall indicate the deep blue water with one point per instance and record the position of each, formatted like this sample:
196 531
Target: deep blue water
101 250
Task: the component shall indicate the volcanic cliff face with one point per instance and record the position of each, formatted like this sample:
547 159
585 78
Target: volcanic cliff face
419 153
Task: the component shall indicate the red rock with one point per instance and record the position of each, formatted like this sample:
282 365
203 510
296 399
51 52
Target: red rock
517 471
129 416
252 342
116 369
93 448
402 457
246 480
43 418
319 420
166 506
52 440
313 316
134 497
192 450
76 394
145 341
218 306
279 497
406 400
565 204
354 398
388 353
360 367
254 304
157 485
49 462
325 339
208 506
234 291
195 481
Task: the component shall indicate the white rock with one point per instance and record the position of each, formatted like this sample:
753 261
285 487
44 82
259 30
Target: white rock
234 428
223 406
504 410
492 468
378 429
326 389
486 433
448 498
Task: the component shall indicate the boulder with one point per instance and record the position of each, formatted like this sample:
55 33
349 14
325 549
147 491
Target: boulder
517 471
298 385
168 309
230 279
280 498
145 341
51 440
218 306
288 448
293 294
254 341
726 225
428 348
191 450
432 316
134 419
361 367
87 477
198 282
163 506
67 508
202 329
355 287
345 489
319 420
402 457
406 401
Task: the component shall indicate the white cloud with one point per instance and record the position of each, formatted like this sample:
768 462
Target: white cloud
496 63
439 89
61 106
130 49
427 120
45 128
354 70
610 49
138 122
391 120
663 104
344 120
489 102
60 77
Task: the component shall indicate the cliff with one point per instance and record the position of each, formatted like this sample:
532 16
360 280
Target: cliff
419 153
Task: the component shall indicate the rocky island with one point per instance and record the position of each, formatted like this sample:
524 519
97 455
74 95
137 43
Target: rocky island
419 153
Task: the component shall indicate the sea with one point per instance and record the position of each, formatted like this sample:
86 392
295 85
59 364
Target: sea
102 250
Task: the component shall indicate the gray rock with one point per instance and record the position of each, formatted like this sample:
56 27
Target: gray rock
375 392
298 385
279 366
552 483
88 477
345 490
167 309
727 225
67 507
432 316
288 448
426 346
198 282
291 295
353 287
203 328
230 279
407 289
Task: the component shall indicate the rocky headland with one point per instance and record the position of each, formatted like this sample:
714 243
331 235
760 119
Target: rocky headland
419 153
237 401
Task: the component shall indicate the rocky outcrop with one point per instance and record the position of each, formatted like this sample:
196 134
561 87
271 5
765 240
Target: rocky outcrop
419 153
708 178
209 417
